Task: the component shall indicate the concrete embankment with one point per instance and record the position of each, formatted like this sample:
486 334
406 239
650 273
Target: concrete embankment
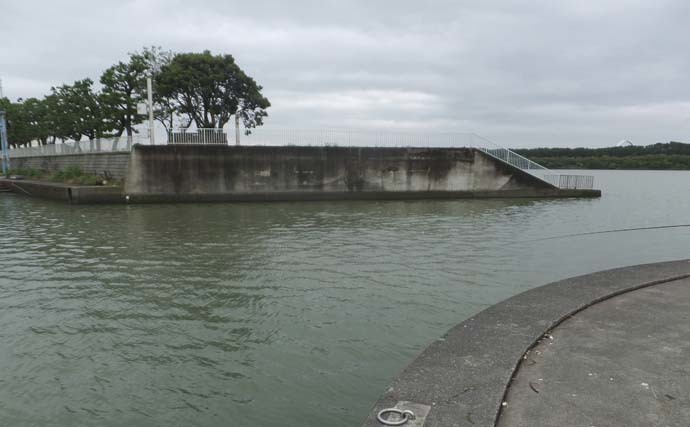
208 173
75 194
227 173
600 349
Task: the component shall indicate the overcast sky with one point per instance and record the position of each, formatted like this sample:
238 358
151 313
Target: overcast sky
523 73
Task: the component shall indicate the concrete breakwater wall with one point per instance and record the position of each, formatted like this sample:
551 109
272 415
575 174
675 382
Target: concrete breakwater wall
169 173
114 165
188 172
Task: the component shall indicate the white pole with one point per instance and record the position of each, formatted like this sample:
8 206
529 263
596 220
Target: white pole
237 129
149 89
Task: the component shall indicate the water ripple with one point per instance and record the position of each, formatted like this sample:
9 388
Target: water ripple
276 314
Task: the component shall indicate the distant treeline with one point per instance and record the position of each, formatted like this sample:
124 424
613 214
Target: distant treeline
672 155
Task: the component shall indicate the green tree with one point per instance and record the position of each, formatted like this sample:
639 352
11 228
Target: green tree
79 110
155 59
121 92
18 132
57 126
35 113
26 121
211 89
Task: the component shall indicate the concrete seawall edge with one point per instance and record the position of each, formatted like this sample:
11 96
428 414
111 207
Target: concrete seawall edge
462 378
115 195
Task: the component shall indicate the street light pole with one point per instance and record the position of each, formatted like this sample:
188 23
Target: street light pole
237 129
149 89
4 143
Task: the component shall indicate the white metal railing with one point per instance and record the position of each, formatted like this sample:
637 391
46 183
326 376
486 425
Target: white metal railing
321 137
533 168
573 182
512 158
99 145
197 136
356 138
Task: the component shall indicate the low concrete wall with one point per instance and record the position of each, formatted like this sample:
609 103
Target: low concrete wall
112 164
43 190
75 194
188 172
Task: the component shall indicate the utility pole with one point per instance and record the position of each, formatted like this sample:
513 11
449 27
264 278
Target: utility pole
149 89
4 143
1 94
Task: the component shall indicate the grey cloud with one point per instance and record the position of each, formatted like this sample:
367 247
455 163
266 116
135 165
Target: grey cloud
524 73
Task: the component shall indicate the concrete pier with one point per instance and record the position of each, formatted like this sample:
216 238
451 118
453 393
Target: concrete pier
609 348
180 172
221 173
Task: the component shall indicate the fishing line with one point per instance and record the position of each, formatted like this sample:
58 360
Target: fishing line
611 231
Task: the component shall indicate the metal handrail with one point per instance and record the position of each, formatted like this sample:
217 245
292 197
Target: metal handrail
197 136
533 168
573 182
98 145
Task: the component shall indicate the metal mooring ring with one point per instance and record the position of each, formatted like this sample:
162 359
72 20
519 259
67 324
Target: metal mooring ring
405 416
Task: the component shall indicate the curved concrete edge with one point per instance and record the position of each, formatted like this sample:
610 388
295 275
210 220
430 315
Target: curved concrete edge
464 375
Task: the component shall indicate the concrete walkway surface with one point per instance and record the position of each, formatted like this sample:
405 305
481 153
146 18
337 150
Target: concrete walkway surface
610 348
624 362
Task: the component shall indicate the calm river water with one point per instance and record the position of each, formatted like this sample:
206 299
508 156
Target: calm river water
283 314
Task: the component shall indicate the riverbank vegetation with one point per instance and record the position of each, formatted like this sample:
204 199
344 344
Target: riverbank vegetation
69 175
200 88
660 156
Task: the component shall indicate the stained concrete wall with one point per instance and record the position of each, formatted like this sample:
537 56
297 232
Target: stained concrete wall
111 164
185 171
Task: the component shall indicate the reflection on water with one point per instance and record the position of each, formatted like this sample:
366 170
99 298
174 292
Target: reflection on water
278 314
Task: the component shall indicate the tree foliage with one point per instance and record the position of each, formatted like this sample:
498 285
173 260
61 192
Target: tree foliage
190 87
210 89
164 108
122 90
80 111
26 121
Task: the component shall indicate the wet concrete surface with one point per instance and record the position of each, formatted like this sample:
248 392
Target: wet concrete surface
621 362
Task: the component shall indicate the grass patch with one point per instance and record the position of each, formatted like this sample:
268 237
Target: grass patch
68 175
27 172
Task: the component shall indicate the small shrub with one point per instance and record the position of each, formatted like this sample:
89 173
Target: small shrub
27 172
89 180
68 175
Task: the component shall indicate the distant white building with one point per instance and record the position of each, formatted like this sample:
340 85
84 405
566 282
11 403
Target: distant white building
624 143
